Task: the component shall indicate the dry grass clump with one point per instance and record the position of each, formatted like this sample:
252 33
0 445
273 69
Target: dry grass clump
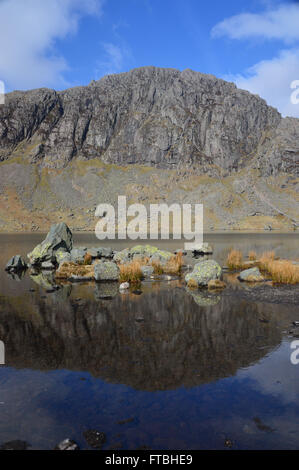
158 269
66 270
266 258
130 272
252 255
283 271
234 259
174 265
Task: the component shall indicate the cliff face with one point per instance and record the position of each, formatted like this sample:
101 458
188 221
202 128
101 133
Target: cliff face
150 116
155 135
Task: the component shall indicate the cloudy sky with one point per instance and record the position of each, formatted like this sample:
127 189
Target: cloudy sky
63 43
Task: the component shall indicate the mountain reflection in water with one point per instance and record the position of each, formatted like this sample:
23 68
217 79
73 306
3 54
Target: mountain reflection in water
159 340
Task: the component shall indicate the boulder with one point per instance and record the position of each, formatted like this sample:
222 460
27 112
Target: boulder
94 252
122 257
124 286
59 238
78 254
16 263
63 257
106 271
161 256
251 275
152 252
105 252
203 272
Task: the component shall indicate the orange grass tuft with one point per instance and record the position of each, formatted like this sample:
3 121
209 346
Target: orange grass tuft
130 272
252 255
174 265
283 271
234 259
158 269
266 258
87 259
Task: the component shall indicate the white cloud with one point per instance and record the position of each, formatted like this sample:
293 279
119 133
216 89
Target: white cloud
115 56
28 31
281 23
272 78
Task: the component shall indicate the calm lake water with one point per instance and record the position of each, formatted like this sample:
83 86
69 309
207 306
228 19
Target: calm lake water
163 369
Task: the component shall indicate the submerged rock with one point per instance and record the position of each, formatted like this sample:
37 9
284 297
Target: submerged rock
59 238
251 275
16 263
94 438
67 444
203 272
106 271
15 445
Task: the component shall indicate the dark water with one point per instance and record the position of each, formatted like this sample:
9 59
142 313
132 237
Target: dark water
164 369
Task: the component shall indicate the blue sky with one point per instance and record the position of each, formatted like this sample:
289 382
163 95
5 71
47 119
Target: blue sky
63 43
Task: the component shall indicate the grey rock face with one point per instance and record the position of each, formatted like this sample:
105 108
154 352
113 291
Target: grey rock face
106 271
59 238
203 272
151 116
16 263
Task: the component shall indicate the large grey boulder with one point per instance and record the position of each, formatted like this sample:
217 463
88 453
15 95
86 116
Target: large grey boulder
203 272
16 263
106 271
59 238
